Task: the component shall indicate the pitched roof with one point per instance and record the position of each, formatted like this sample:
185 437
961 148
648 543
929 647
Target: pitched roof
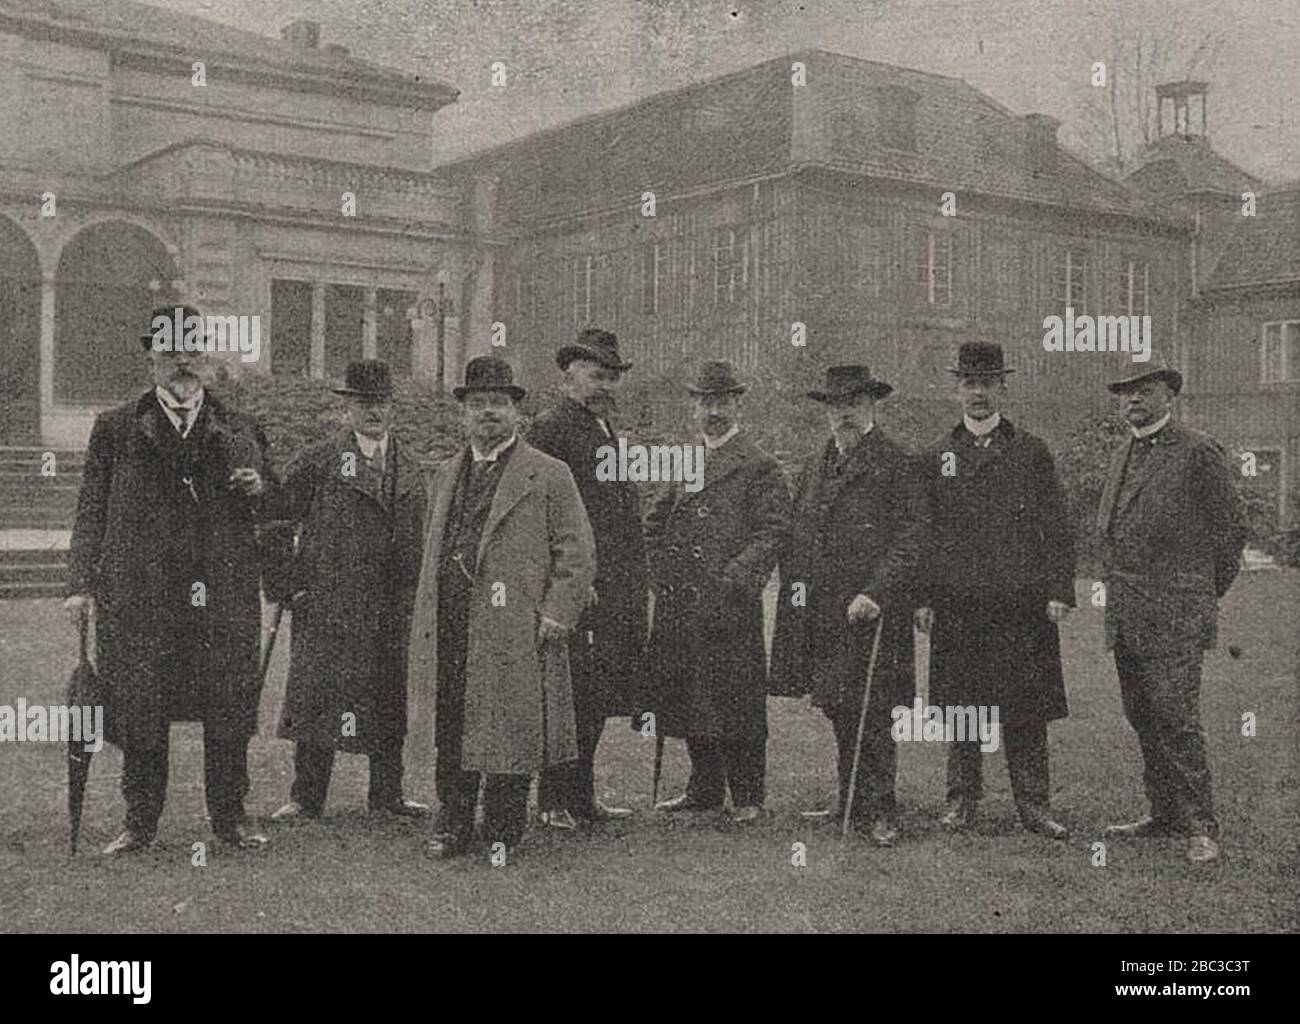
128 27
1266 247
752 123
1178 163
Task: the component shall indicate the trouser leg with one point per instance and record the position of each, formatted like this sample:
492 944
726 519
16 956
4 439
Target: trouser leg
707 786
1137 693
505 808
745 763
144 786
1177 740
225 780
1026 749
965 771
873 794
385 787
312 766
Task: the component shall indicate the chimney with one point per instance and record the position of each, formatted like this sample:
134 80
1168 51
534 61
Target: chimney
1186 99
1040 143
302 33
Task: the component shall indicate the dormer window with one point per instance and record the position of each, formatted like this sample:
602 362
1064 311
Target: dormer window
896 115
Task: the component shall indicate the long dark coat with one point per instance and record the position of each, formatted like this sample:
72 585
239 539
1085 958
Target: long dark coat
140 543
355 576
999 549
711 553
856 530
1172 540
608 671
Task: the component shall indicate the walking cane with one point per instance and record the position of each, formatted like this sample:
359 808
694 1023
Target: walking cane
862 725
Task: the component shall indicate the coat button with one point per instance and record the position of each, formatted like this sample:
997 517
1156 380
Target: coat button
697 552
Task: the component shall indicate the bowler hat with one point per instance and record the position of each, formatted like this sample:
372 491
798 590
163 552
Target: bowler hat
980 359
595 345
367 378
1156 369
847 381
489 373
168 313
716 377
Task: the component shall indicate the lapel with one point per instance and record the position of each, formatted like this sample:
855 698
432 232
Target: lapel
365 480
146 420
1106 510
719 463
981 458
157 429
1168 443
865 458
516 482
444 489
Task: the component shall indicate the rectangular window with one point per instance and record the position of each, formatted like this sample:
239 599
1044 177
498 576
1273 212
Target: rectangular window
394 310
933 255
651 269
584 289
345 311
290 328
1071 284
1280 351
730 265
1134 287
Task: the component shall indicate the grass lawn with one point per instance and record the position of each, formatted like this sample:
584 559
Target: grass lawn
651 873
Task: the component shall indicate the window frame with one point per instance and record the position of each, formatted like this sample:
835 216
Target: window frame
1288 340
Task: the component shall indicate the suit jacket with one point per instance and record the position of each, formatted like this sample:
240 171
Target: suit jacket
358 562
537 544
711 553
1171 543
857 529
142 539
611 666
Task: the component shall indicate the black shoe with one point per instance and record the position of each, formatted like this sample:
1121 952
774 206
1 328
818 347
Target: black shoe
241 837
685 802
1042 823
603 812
402 808
128 842
959 815
879 832
1145 827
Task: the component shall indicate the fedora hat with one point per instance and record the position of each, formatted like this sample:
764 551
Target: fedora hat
716 377
595 345
489 373
847 381
367 378
1156 369
980 359
168 313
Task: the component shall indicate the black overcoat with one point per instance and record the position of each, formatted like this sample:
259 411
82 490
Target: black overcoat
711 554
607 650
856 530
1000 547
361 539
143 539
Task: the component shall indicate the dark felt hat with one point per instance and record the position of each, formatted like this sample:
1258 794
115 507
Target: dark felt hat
595 345
716 377
1157 369
850 380
367 378
489 373
980 359
168 313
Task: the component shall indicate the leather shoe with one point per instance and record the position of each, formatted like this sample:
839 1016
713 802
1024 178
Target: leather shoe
685 802
560 819
959 816
603 812
747 814
127 842
1202 850
1045 825
242 837
446 847
403 808
292 811
881 833
1145 827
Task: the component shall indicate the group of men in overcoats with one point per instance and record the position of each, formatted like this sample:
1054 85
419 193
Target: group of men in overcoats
495 616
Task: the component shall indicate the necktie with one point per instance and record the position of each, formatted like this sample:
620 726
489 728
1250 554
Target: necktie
183 414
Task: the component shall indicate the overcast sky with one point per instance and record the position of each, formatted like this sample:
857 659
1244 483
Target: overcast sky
567 58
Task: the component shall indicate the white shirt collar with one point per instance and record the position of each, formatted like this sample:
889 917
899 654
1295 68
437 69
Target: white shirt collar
369 445
717 442
170 404
495 453
985 426
1150 428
